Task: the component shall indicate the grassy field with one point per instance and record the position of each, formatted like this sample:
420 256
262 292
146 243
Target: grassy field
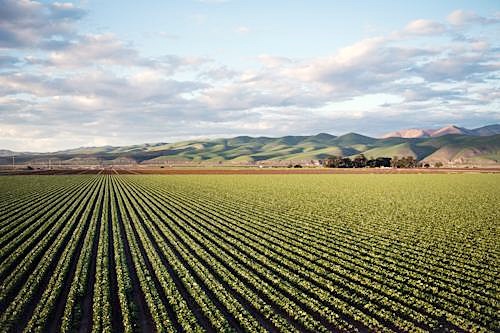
304 253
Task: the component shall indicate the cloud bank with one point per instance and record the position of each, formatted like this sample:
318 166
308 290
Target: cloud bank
60 88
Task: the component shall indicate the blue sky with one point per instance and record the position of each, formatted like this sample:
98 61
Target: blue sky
88 73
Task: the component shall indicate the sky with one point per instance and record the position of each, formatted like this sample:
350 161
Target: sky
117 72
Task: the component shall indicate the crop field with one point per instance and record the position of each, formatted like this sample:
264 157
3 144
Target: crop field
255 253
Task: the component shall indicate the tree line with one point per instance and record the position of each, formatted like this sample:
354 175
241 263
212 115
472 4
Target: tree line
361 161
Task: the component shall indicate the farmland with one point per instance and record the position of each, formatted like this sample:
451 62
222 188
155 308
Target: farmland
296 252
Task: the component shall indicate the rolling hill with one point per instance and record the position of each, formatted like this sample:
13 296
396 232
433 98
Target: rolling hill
458 148
451 129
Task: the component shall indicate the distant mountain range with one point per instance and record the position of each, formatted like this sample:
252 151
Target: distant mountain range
451 129
450 144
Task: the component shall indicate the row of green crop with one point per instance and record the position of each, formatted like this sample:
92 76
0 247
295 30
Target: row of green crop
208 281
218 258
59 276
157 309
16 190
179 304
23 197
431 309
428 256
319 256
124 282
448 214
101 305
395 274
254 254
385 249
34 240
13 218
380 248
444 211
78 288
31 273
26 229
30 192
56 271
257 283
27 261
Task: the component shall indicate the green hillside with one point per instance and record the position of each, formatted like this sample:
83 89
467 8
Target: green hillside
467 150
416 150
245 149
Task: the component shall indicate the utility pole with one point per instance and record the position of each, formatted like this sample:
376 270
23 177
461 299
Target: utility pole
13 162
50 167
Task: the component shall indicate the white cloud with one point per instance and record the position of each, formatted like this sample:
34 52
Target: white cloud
424 27
107 51
219 73
97 88
93 49
461 17
26 23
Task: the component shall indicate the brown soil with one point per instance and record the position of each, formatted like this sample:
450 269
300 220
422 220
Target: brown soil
270 171
250 171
